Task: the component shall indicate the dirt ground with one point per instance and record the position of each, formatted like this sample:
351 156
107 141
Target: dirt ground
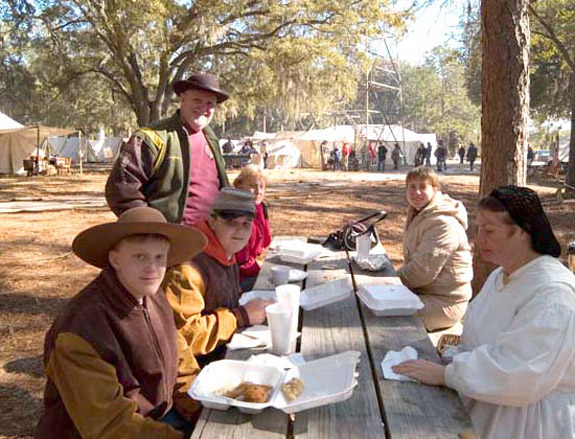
38 272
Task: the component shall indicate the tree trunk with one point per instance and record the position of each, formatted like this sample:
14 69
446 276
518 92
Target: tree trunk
505 102
570 177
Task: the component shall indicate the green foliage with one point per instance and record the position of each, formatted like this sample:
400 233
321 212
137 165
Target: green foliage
291 57
436 98
552 57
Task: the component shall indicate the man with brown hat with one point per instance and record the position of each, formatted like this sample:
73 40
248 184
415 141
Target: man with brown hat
204 292
174 165
111 357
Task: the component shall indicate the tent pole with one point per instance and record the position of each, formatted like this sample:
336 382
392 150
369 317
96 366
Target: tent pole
80 153
38 149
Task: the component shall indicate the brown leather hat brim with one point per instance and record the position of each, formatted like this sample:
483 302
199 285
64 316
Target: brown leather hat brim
92 245
182 86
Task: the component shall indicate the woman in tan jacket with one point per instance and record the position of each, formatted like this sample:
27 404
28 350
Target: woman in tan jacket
437 255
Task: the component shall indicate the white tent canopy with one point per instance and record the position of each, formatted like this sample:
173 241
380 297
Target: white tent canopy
409 141
17 144
564 149
283 154
70 147
107 149
308 142
7 123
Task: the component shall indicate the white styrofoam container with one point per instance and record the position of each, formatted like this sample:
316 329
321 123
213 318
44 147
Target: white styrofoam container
248 296
299 252
296 275
325 294
227 374
390 300
326 381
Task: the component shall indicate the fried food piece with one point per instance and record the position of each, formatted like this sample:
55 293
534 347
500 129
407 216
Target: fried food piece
256 393
239 390
292 389
249 392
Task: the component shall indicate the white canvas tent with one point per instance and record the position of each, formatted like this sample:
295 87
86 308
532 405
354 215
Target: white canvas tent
283 154
564 149
70 147
7 123
19 143
106 149
408 140
308 142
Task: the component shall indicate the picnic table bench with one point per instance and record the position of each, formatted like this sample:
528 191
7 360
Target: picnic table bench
378 408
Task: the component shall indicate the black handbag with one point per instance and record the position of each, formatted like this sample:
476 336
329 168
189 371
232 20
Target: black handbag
346 238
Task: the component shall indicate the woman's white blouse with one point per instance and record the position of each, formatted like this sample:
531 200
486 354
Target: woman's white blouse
517 374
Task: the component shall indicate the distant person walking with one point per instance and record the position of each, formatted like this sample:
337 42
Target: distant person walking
530 156
396 156
324 155
441 156
461 154
428 154
336 158
471 155
381 156
420 155
345 150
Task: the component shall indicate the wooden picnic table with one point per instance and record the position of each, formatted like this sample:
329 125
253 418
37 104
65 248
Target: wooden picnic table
378 408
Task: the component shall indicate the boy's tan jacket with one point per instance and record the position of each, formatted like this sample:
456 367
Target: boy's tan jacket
436 251
203 294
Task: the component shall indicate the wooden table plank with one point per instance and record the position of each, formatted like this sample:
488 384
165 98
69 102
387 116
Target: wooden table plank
326 331
271 423
412 410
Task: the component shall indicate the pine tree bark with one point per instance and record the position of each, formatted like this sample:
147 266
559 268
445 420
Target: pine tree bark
570 177
505 102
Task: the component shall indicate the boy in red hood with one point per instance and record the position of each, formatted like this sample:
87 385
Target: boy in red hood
204 292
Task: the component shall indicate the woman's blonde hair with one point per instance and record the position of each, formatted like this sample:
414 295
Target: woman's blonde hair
248 174
423 173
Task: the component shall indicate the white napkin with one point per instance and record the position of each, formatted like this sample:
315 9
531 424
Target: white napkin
257 336
252 337
241 341
393 358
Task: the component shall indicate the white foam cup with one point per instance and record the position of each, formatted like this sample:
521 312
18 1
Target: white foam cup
279 321
363 244
280 274
288 296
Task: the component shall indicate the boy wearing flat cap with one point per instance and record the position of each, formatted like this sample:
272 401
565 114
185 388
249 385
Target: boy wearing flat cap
204 292
111 357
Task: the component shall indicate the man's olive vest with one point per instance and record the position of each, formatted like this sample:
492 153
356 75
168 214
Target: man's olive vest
167 188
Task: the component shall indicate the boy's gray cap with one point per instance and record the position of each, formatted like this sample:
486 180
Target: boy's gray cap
234 200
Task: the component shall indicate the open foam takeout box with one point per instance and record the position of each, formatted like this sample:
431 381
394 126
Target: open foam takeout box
326 381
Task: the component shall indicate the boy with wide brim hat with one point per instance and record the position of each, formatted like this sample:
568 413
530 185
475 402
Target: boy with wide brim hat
111 357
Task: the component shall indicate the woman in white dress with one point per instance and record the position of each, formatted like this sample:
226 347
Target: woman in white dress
516 374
